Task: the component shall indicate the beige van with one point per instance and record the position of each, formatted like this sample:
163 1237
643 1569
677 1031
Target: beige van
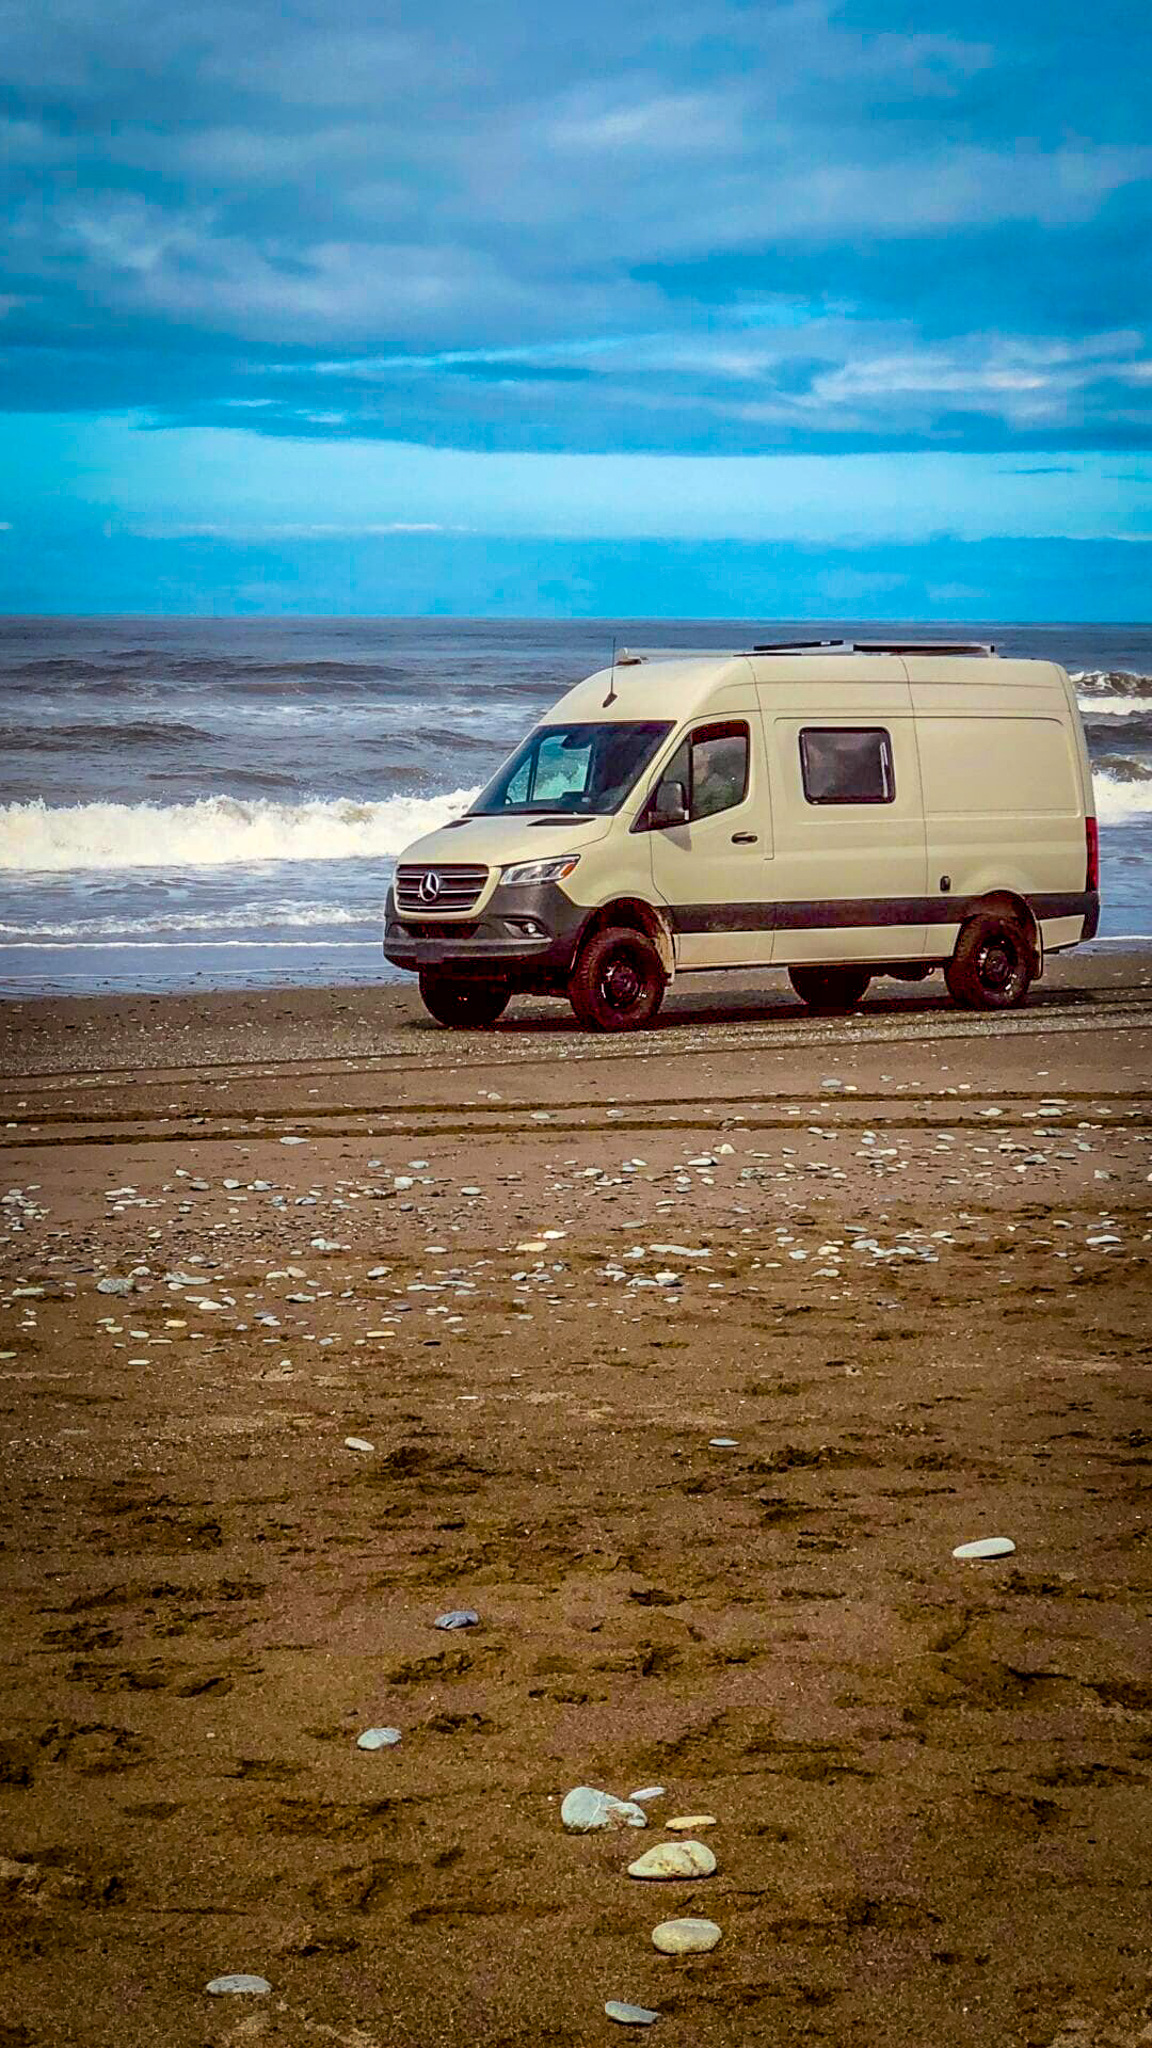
840 810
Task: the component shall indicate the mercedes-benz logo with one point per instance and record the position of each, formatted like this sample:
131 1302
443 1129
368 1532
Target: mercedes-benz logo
429 886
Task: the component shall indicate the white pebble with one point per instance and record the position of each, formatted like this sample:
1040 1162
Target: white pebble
674 1859
648 1792
358 1443
237 1981
988 1546
685 1937
585 1811
630 2015
378 1738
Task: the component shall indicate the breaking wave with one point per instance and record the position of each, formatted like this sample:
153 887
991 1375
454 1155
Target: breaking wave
216 831
1098 687
1123 798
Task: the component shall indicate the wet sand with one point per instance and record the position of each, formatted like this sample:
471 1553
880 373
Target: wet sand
902 1260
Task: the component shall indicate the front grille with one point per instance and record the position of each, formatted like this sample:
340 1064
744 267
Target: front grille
431 892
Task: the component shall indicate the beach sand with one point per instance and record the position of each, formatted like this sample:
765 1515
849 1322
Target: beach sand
901 1260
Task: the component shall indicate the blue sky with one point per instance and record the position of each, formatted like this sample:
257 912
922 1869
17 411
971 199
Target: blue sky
457 308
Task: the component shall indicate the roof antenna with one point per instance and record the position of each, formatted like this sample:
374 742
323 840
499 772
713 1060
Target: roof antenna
611 697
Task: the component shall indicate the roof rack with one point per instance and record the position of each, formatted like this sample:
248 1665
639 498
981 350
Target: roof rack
627 657
977 647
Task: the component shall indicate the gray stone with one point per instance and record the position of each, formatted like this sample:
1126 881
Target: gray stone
674 1859
648 1792
358 1443
114 1286
459 1617
585 1811
378 1738
685 1937
630 2015
237 1981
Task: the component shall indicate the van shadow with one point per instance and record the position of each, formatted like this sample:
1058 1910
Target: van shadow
684 1010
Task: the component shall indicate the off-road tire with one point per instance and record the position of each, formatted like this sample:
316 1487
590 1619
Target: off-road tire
467 1005
830 991
618 981
993 965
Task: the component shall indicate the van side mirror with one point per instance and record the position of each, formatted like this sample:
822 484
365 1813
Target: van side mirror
669 806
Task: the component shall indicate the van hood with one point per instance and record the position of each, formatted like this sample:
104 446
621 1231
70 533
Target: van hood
498 842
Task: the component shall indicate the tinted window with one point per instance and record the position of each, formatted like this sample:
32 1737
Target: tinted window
842 766
579 768
719 769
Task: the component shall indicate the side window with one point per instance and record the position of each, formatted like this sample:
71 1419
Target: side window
845 765
719 769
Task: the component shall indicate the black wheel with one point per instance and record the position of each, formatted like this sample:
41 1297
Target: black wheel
830 990
618 981
993 965
463 1003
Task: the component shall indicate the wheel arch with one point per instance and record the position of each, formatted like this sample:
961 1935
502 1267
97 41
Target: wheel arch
634 914
1009 902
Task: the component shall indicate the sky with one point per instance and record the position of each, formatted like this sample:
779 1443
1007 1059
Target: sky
729 305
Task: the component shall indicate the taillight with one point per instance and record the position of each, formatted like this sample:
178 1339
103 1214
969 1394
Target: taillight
1092 845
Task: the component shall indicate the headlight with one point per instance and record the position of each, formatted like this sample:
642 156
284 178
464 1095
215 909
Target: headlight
531 871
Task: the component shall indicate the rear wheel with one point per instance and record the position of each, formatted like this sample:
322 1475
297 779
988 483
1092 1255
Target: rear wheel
993 965
463 1003
618 981
830 990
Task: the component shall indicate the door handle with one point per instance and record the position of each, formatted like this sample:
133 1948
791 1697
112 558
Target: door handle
744 839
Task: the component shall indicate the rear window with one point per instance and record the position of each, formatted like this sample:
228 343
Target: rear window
847 765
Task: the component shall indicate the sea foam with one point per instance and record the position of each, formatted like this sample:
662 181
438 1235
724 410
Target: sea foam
216 831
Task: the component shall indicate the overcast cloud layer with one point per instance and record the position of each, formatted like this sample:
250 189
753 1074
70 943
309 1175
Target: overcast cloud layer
686 226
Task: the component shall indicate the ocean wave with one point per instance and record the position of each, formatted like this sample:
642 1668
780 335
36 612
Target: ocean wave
216 831
1097 683
244 917
93 733
1122 799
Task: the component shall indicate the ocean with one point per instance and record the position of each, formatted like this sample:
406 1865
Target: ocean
219 803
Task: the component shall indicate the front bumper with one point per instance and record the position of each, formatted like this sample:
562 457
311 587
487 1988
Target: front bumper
522 935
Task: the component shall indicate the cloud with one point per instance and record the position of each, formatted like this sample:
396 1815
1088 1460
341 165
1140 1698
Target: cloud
683 225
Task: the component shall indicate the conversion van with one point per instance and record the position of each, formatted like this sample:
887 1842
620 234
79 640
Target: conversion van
841 810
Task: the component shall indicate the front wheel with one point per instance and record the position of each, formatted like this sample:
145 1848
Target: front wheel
618 981
993 965
830 990
463 1003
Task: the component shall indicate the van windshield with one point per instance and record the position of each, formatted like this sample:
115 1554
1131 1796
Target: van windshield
578 769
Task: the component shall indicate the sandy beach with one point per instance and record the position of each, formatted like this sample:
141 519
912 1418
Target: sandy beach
685 1361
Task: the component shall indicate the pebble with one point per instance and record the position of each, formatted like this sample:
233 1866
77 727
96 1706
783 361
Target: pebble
293 1141
674 1859
630 2015
684 1821
358 1443
685 1937
237 1981
378 1738
585 1811
113 1286
988 1546
648 1792
723 1443
459 1617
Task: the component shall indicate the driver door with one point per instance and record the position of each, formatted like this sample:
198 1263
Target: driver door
712 871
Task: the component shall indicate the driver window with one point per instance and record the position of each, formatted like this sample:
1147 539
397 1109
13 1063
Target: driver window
719 769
